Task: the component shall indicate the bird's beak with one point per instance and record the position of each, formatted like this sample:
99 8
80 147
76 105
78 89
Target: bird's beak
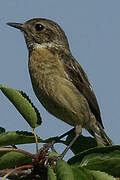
16 25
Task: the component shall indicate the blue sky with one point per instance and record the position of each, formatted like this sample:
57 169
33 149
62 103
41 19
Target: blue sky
93 31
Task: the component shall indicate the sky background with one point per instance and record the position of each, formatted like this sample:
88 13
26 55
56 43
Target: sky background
93 31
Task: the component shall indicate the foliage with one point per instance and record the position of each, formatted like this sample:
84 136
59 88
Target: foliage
88 163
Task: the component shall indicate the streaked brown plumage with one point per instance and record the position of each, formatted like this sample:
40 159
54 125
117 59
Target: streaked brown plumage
58 80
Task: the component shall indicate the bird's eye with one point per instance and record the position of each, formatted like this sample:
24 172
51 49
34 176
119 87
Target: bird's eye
39 27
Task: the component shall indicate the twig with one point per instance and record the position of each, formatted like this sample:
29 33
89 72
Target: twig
16 169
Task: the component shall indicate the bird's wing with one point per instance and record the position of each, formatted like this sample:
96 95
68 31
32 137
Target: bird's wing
79 79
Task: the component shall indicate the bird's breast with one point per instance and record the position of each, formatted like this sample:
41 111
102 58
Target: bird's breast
44 68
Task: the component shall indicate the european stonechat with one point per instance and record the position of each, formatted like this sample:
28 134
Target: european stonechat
58 80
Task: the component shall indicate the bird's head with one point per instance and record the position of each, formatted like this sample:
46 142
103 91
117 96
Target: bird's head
42 32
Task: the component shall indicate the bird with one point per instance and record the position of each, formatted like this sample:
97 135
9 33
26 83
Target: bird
58 80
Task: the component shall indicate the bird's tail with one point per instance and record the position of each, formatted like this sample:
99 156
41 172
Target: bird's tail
101 137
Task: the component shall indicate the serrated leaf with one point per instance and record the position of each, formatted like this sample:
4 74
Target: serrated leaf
81 173
18 137
14 159
23 104
85 174
51 174
109 163
106 159
101 175
81 144
63 171
76 160
21 137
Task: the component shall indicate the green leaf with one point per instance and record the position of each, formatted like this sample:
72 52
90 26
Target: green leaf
53 154
63 171
85 174
106 159
81 173
21 137
51 174
81 144
76 160
101 175
14 159
23 104
109 163
18 137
